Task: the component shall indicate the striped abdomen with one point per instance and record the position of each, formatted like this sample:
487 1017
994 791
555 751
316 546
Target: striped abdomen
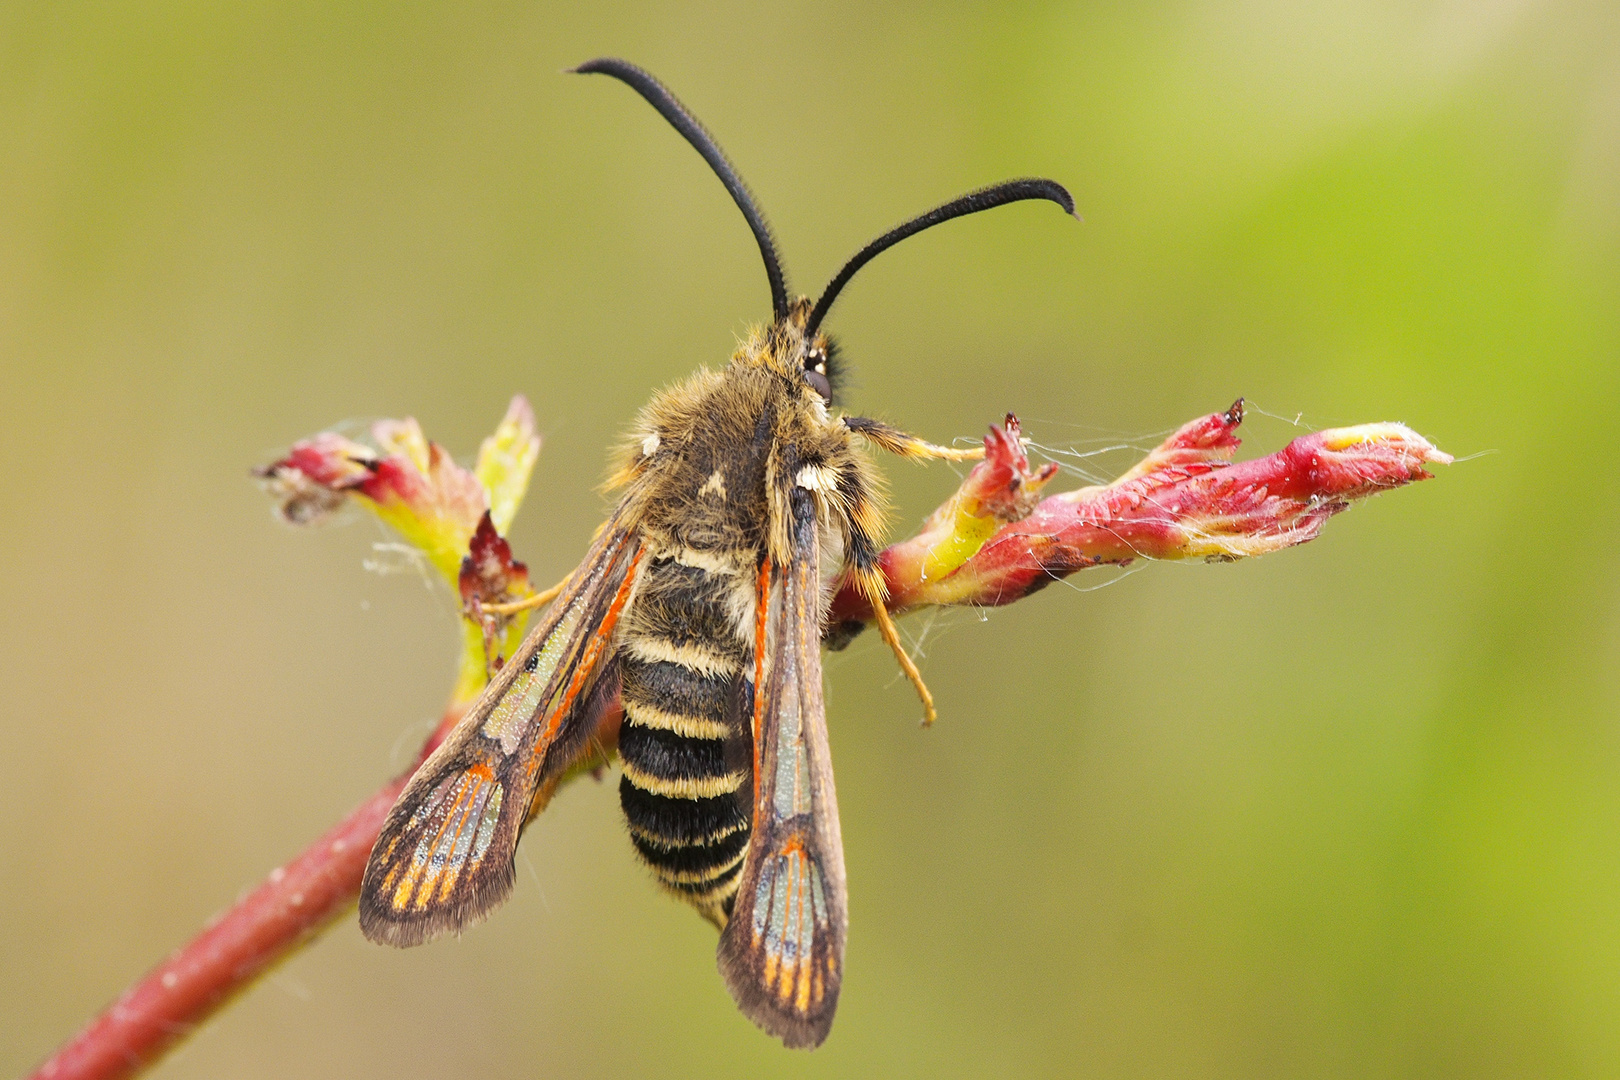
686 739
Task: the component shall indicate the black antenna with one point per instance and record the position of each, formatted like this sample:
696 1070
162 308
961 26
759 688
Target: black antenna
971 203
668 106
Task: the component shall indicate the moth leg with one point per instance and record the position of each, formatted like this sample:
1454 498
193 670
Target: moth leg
539 599
862 554
899 442
892 636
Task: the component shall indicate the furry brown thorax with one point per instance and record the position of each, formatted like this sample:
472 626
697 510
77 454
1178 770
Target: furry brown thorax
709 461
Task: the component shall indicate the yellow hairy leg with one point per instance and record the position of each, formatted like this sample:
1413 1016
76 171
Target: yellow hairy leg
539 599
892 636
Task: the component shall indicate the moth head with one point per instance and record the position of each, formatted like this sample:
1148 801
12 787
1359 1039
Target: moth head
818 367
810 357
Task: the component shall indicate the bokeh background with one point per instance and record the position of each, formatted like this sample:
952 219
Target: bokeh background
1352 810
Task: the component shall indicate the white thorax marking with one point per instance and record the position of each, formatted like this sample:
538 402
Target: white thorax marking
817 478
714 485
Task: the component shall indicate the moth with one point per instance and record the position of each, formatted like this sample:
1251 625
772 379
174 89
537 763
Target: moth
690 636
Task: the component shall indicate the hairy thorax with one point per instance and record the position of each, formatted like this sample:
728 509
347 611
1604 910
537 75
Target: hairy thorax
710 458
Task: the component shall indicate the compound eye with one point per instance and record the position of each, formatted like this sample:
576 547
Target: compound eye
815 373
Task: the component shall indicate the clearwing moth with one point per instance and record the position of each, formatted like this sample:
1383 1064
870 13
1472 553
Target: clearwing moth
699 608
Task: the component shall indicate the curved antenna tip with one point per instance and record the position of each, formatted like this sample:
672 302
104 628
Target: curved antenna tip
973 202
605 65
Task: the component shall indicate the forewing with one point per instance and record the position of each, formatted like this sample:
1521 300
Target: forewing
444 858
782 951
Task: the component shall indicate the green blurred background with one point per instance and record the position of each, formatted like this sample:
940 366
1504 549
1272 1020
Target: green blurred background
1352 810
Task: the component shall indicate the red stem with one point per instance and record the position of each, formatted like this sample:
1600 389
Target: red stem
294 904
